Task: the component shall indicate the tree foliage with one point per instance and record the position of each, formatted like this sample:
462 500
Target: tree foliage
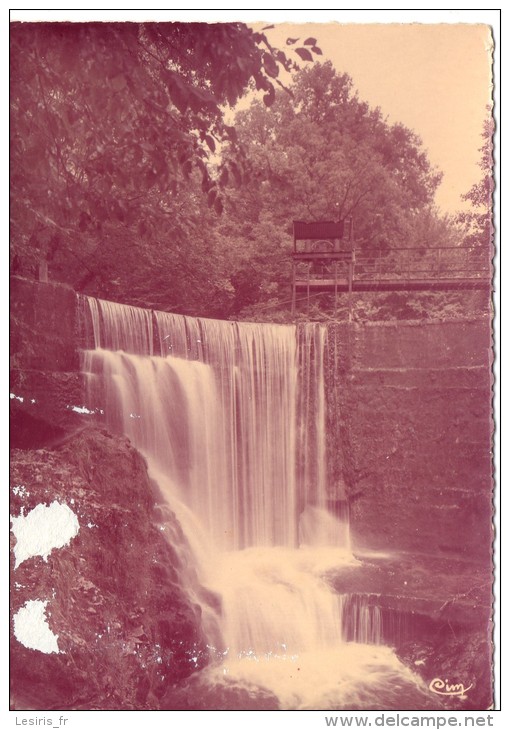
477 223
116 135
132 182
322 154
335 155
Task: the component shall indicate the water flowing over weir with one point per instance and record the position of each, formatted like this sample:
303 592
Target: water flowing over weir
231 418
232 414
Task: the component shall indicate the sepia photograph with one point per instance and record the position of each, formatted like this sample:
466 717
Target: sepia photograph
251 364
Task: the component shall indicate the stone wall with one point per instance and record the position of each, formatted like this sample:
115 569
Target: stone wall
414 428
45 381
410 437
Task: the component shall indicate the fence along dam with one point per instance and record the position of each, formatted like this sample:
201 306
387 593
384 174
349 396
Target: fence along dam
231 420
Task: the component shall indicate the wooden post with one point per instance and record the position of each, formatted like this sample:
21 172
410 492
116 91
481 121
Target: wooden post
293 306
336 285
350 278
308 287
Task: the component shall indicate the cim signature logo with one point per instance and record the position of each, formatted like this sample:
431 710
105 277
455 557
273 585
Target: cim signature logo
441 687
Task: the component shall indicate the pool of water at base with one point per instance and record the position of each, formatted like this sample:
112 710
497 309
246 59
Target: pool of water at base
349 677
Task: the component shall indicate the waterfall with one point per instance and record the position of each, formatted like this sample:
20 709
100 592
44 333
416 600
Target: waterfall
231 418
232 413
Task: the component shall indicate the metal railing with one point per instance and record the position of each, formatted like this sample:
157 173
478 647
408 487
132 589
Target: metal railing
397 269
438 263
398 264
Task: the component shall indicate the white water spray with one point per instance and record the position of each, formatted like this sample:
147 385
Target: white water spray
231 418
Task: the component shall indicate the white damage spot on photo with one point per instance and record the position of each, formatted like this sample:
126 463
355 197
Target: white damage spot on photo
81 409
42 530
31 628
20 490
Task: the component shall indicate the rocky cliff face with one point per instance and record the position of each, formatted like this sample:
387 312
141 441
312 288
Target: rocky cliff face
126 630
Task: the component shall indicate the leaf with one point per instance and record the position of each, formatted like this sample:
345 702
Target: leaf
304 53
224 177
218 206
236 173
72 116
282 58
261 82
200 164
179 93
212 197
203 95
270 65
310 42
210 142
291 41
268 27
317 50
269 97
83 221
231 132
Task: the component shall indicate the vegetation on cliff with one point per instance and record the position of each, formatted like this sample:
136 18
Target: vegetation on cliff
126 628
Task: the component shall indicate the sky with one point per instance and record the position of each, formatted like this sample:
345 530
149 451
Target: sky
433 76
435 79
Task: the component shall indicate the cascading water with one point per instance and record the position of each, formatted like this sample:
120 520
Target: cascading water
231 418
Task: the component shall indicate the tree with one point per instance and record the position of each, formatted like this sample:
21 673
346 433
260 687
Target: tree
322 154
116 129
477 223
